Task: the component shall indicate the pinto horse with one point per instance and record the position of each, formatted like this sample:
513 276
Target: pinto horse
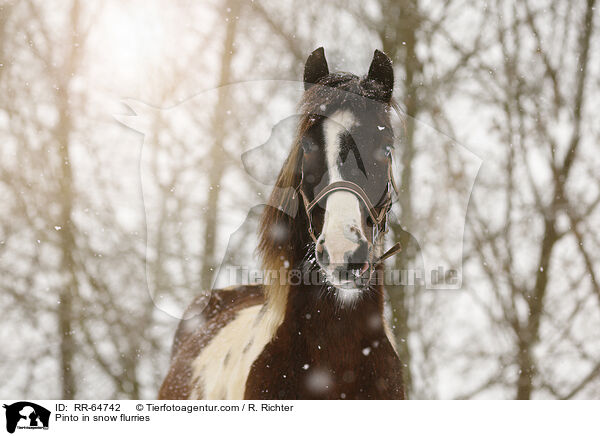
315 339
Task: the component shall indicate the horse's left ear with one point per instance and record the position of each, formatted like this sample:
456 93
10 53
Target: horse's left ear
381 71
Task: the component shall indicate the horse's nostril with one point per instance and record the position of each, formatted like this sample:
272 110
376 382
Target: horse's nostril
358 258
322 254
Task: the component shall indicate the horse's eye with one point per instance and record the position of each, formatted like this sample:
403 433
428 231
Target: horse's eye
384 152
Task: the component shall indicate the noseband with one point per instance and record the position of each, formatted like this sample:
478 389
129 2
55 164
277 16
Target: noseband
378 214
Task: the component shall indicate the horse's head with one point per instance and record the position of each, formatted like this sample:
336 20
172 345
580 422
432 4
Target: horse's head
346 139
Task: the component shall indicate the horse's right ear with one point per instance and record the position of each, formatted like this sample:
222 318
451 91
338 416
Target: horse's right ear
315 68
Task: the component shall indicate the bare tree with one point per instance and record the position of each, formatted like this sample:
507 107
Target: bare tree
542 211
515 81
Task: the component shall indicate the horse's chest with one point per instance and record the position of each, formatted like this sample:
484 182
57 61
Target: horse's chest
292 368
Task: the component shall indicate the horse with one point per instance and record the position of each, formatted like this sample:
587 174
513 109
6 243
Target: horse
323 338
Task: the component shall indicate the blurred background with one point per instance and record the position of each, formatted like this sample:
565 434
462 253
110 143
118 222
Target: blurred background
516 82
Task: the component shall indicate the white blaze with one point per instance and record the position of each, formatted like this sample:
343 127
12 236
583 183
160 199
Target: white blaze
342 225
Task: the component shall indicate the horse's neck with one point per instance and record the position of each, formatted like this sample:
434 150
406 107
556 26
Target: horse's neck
321 347
317 318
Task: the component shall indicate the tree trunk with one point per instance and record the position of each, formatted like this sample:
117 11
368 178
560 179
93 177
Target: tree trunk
68 293
398 34
216 162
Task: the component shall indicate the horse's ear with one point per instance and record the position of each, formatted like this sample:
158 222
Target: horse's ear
315 68
381 71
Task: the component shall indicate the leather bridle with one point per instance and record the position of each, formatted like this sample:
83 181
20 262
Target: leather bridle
378 214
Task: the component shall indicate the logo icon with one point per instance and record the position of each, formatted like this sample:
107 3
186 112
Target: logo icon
26 415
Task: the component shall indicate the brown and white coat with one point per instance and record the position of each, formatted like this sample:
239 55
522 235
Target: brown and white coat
307 340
